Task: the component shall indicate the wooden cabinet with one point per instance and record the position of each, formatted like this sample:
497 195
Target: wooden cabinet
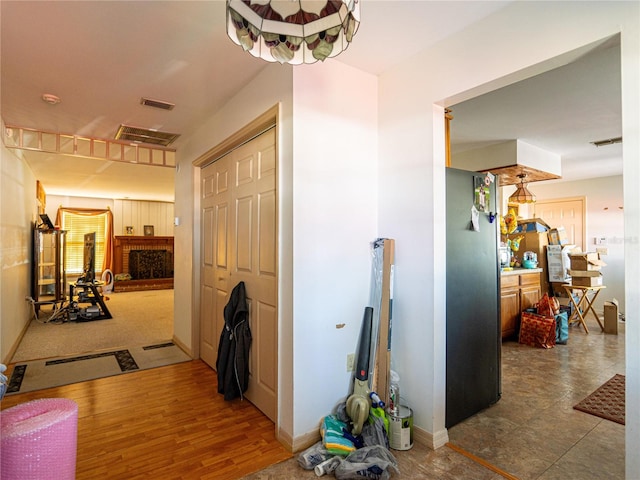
49 277
509 304
518 291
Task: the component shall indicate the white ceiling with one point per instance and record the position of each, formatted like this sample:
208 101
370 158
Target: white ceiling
100 58
562 111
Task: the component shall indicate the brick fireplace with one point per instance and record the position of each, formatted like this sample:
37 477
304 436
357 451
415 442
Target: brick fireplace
148 259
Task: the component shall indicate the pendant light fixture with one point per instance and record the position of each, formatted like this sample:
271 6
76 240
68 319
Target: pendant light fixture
293 31
522 193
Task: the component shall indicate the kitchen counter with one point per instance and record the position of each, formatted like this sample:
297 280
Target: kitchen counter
519 290
518 271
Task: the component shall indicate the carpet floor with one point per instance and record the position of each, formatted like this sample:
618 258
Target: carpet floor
54 372
139 318
607 401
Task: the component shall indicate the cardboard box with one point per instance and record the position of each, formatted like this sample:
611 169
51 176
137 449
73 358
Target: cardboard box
558 236
611 317
586 281
558 291
532 225
589 261
558 262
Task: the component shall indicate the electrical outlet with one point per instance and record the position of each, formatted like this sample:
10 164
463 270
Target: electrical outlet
351 362
602 250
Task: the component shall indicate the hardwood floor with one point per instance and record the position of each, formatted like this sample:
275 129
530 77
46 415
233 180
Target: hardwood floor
167 423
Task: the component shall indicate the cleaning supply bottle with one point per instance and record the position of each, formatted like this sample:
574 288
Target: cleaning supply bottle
394 393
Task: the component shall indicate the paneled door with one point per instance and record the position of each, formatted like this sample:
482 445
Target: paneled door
239 244
214 271
568 213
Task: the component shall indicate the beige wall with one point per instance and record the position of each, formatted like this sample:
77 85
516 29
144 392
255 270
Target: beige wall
605 219
17 216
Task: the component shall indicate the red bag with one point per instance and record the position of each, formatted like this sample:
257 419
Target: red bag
537 330
548 306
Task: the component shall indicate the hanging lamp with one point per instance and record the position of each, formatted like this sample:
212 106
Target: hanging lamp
293 31
522 193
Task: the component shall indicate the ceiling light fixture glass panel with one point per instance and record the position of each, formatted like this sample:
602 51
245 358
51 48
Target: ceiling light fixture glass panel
293 31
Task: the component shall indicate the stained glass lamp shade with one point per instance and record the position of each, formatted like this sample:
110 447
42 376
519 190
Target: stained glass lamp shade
293 31
522 193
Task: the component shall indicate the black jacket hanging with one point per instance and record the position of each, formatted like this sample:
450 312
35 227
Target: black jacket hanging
233 350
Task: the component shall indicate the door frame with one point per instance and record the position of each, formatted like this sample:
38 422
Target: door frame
267 120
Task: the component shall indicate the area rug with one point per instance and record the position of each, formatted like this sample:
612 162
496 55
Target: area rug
41 374
607 401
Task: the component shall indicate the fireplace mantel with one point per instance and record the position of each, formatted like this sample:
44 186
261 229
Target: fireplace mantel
121 248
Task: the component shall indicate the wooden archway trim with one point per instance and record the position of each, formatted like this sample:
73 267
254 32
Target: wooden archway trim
265 121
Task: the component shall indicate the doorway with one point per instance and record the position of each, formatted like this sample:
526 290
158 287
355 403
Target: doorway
510 107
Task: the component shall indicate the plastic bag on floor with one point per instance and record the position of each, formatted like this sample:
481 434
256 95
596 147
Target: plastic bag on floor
375 462
313 456
341 413
374 432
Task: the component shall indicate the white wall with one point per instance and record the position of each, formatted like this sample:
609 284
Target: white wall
335 189
17 219
600 193
503 48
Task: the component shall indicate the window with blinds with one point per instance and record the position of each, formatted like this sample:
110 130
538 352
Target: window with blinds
76 226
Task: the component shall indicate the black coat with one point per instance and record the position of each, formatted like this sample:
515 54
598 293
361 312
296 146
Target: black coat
233 350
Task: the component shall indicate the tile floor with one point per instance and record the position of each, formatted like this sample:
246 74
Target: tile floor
533 432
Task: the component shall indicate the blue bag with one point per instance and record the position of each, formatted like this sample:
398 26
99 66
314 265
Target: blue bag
562 328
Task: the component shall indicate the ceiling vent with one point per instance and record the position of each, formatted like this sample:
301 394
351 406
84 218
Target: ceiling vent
127 133
609 141
149 102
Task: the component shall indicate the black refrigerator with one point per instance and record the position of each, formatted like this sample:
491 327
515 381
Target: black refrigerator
473 301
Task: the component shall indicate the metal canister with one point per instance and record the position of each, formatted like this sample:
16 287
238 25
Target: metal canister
401 429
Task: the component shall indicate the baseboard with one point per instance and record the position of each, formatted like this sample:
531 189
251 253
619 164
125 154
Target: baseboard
182 346
300 443
16 344
440 439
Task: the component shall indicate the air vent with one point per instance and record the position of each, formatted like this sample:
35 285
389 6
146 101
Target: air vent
609 141
134 134
149 102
